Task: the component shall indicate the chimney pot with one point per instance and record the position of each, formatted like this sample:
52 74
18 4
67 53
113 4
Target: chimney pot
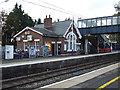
48 22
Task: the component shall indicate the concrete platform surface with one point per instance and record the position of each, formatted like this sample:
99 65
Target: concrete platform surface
82 78
22 62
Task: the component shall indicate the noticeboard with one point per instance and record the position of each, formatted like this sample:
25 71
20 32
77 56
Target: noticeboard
32 51
9 51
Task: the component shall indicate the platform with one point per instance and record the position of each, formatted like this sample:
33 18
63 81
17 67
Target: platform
82 78
43 60
25 68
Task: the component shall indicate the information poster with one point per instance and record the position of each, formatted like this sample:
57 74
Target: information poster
32 52
9 51
49 46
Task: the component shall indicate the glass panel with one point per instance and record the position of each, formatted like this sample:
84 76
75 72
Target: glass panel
37 45
80 24
88 23
98 21
93 23
109 20
83 23
71 42
104 21
118 19
115 20
25 45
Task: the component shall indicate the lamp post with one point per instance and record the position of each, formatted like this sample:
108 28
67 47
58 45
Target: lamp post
72 37
1 32
0 37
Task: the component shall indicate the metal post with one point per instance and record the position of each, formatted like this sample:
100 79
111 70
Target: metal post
111 47
72 38
104 42
115 41
0 37
86 46
98 46
0 50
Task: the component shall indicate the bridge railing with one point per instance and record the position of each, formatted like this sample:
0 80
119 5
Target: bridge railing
100 21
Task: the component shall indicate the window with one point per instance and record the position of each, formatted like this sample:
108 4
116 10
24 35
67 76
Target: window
71 41
25 46
104 22
37 45
115 20
65 47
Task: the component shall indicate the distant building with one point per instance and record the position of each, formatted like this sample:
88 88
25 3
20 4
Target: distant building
61 37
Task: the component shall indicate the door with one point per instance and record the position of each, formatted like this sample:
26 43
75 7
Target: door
53 49
59 49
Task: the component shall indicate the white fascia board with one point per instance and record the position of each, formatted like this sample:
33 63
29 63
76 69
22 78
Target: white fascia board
78 32
26 29
36 39
68 29
25 40
59 42
53 42
80 36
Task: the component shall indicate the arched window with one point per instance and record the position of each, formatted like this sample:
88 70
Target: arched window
71 38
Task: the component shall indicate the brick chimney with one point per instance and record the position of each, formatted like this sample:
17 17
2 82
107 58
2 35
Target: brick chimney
48 22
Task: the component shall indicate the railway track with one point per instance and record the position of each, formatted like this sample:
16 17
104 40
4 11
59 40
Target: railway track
41 79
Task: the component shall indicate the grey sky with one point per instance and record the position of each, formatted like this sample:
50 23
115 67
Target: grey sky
85 8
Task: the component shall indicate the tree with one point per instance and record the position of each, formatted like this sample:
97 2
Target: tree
39 21
117 13
16 21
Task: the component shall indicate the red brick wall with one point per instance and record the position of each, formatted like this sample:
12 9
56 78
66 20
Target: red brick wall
20 44
56 39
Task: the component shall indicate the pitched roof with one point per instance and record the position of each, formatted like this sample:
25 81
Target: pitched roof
58 28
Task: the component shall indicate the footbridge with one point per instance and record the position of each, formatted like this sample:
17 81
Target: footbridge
94 31
100 25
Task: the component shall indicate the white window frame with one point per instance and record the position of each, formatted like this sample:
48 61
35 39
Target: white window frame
69 37
37 44
29 37
65 47
25 46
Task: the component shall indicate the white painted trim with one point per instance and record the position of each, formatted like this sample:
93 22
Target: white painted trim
53 42
65 47
59 42
36 39
78 32
71 33
78 43
25 40
67 29
27 29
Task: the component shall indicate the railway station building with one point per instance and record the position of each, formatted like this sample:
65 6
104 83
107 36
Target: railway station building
61 37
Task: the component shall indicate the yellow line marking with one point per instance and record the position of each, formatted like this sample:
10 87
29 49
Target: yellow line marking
106 84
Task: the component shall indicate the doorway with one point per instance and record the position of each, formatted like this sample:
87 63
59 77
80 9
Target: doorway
53 49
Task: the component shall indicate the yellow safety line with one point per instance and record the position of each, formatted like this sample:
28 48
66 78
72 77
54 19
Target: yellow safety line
106 84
